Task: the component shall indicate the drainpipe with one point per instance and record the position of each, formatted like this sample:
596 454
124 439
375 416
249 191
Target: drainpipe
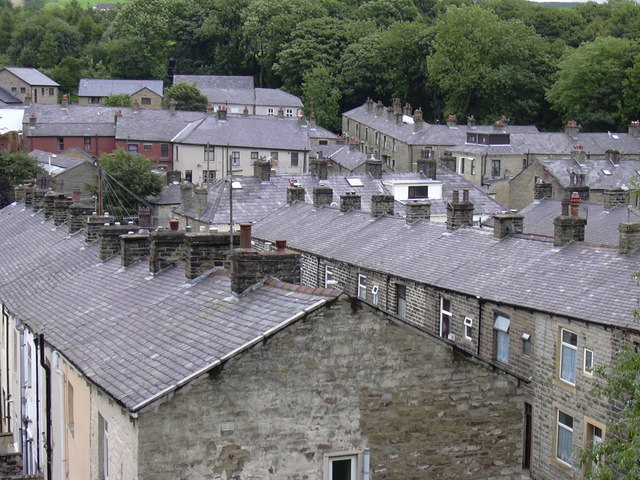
479 323
6 343
47 415
37 389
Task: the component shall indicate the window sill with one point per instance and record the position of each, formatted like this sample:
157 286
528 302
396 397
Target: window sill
565 468
567 387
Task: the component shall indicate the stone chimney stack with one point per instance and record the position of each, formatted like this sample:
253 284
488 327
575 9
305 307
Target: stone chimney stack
616 197
32 119
368 105
612 155
136 245
312 119
390 113
418 121
172 106
571 128
245 111
322 196
49 200
379 109
222 113
428 166
417 210
64 103
407 110
167 248
448 161
350 201
629 237
93 225
508 224
452 121
262 169
302 120
542 190
578 154
110 239
200 195
634 128
353 144
186 194
209 109
78 213
499 125
295 193
61 209
208 249
173 176
318 167
19 193
382 205
136 106
471 121
29 193
373 167
117 113
459 213
280 112
569 227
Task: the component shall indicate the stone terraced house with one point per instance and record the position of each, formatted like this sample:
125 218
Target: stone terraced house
544 312
133 354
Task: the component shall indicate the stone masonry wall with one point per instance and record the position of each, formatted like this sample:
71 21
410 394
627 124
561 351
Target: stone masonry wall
344 379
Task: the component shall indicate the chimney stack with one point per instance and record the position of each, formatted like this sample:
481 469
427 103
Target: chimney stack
302 119
312 119
280 112
612 155
208 249
173 176
459 213
417 210
318 167
245 111
379 109
222 113
452 121
209 109
172 106
61 209
471 121
407 110
634 128
110 239
382 204
116 114
186 195
350 201
373 167
200 195
353 144
368 105
322 196
295 193
508 224
569 228
136 106
65 101
19 193
428 166
32 119
390 113
616 197
418 121
49 200
262 169
245 235
448 161
571 128
629 237
167 248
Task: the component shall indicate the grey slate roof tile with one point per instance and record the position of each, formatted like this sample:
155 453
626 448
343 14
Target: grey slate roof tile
32 76
133 334
99 87
593 168
578 280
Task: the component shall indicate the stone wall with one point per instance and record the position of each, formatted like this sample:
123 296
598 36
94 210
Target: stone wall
343 379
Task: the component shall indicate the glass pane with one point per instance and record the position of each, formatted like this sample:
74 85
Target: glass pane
502 346
341 469
565 440
568 366
569 337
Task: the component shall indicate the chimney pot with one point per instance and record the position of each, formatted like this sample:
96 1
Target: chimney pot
245 235
174 224
465 195
575 204
281 245
456 196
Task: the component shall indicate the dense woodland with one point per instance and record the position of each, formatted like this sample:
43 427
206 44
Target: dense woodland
535 65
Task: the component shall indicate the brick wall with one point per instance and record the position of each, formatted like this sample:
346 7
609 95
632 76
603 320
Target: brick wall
345 379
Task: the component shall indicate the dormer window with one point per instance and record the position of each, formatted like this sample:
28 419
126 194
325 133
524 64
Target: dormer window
419 191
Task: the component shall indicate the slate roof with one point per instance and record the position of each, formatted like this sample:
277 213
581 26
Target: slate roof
170 195
257 199
577 280
276 97
7 98
154 125
57 161
135 335
620 174
256 131
316 131
343 155
217 81
430 134
98 87
32 76
601 228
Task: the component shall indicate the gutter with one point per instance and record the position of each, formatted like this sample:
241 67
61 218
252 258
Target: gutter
233 353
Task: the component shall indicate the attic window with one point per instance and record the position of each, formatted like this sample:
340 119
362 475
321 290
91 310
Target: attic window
236 185
355 182
606 172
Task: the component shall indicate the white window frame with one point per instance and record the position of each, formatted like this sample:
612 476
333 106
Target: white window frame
526 340
468 328
501 327
374 295
401 302
288 112
328 275
270 111
587 362
254 157
445 313
359 464
560 426
235 159
567 347
362 286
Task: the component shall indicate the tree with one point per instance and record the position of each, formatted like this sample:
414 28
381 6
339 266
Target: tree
15 168
187 97
488 67
618 455
68 74
125 177
321 97
387 12
118 100
589 88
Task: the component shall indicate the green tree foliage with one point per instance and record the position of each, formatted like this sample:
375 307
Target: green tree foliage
123 58
321 97
589 88
15 168
187 97
387 12
118 100
361 70
125 174
68 74
488 67
617 457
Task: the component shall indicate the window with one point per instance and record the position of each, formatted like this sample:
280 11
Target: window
132 147
146 147
495 168
69 408
374 295
294 159
501 329
14 89
526 345
103 448
270 111
288 112
94 100
461 165
362 286
366 133
254 157
419 191
401 300
568 349
87 144
445 317
394 146
468 328
145 101
376 135
235 159
564 437
328 276
208 175
346 466
594 434
274 156
588 362
60 144
23 90
473 167
51 91
43 90
323 142
164 150
384 142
